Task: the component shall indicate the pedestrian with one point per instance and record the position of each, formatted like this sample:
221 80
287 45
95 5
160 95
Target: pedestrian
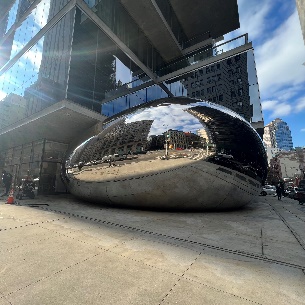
80 165
111 161
282 184
279 191
7 181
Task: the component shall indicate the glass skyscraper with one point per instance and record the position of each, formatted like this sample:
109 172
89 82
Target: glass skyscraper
278 135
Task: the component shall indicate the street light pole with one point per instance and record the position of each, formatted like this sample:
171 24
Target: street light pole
166 140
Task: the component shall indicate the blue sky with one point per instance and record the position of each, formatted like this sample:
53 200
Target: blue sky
274 29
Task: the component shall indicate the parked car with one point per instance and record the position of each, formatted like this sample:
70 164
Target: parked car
268 190
293 193
301 192
286 193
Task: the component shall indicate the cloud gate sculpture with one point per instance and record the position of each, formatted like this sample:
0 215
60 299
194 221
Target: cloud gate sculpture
173 153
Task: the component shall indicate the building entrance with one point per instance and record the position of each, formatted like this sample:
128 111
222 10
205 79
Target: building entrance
41 160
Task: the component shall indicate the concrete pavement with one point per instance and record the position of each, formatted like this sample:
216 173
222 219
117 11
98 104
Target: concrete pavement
59 250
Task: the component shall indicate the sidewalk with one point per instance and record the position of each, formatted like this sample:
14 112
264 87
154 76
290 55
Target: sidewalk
58 250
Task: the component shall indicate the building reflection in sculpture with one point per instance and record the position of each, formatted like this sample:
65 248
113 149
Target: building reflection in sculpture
171 153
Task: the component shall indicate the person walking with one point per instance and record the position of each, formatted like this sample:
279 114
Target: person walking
7 181
279 191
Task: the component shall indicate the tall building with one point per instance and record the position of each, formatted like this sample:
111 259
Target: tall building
77 62
277 137
288 164
12 109
301 11
225 83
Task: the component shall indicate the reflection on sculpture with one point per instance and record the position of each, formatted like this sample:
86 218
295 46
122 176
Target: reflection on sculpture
172 153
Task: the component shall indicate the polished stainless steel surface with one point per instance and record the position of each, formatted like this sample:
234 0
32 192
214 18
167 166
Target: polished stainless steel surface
176 153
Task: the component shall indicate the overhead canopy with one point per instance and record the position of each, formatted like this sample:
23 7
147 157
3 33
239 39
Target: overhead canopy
195 18
4 6
199 16
61 122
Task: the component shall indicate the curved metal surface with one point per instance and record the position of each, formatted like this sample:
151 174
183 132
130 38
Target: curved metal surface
176 153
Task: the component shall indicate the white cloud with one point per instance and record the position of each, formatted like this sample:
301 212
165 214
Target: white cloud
253 16
279 60
2 95
34 56
288 93
277 109
300 105
282 109
303 129
167 117
269 105
42 13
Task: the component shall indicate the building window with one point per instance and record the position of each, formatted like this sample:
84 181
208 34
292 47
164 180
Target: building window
214 99
212 68
238 70
240 91
220 98
197 93
218 76
229 61
202 91
193 94
233 94
237 58
218 66
209 90
230 72
239 81
207 70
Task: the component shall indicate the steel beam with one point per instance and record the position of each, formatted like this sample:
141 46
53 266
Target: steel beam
69 6
206 62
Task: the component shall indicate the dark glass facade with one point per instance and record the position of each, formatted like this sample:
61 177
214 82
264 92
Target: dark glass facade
76 60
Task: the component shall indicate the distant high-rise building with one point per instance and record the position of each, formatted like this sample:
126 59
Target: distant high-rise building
12 109
277 136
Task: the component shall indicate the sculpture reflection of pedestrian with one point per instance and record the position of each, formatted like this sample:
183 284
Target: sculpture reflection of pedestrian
111 161
80 165
7 181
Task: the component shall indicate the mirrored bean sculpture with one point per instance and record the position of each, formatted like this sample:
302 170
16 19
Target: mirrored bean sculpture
173 153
